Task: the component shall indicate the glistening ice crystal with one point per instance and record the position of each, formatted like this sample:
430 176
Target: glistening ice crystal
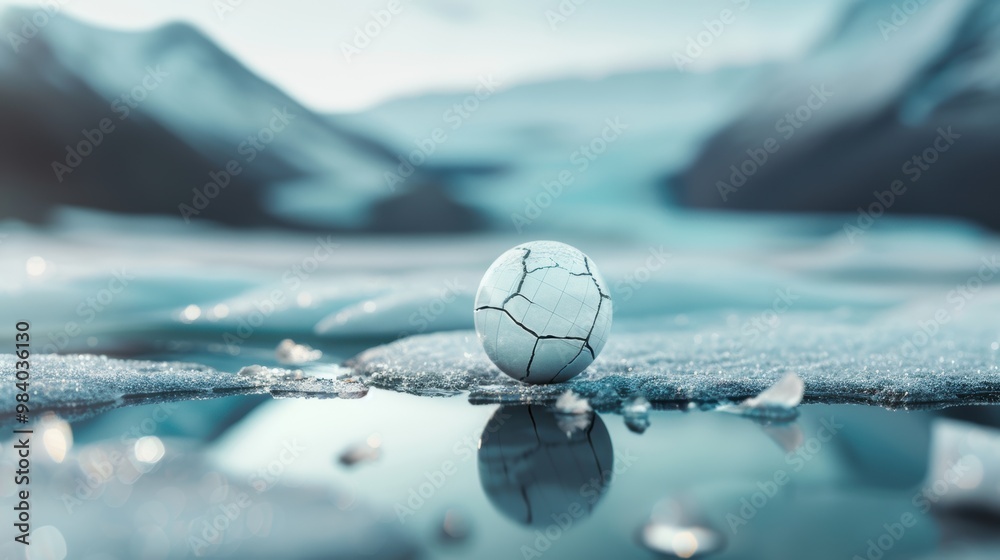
543 312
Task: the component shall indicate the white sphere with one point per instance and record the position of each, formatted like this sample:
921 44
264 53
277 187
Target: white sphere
543 312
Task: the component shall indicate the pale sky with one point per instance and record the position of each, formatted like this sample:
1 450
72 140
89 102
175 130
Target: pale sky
445 45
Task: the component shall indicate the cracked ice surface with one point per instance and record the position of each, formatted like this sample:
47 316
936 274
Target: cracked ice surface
85 382
838 362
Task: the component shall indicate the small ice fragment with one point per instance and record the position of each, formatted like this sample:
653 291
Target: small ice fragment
636 414
455 527
363 452
273 374
786 393
282 383
777 402
290 352
571 403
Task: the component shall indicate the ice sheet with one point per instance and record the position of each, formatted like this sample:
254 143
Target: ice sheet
708 308
85 383
838 363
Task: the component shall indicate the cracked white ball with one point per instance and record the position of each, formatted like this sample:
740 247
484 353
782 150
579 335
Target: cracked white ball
543 312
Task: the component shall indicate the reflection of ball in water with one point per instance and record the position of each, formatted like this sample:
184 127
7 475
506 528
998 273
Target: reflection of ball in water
543 312
534 472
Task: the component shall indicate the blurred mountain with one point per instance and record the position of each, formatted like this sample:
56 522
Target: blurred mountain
143 122
902 94
608 137
910 93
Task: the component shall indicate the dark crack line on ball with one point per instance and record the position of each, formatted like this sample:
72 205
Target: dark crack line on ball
524 276
527 329
527 370
590 333
545 268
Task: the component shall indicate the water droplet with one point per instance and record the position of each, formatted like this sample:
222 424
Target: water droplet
455 527
190 313
149 449
220 311
47 543
35 266
57 437
680 541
